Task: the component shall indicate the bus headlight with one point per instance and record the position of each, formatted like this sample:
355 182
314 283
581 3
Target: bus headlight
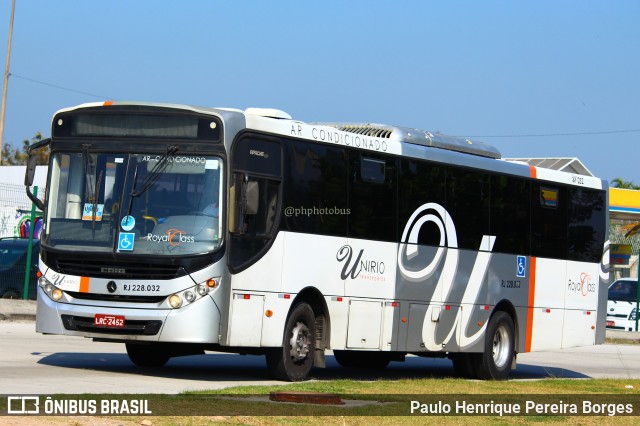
175 301
52 291
202 290
193 294
56 294
189 296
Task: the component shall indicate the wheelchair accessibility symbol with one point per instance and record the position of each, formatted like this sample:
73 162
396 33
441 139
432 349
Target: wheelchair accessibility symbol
522 266
125 241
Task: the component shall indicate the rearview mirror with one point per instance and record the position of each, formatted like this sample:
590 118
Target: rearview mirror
32 162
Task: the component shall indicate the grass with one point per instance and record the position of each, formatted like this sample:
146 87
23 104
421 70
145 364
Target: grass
446 386
425 390
615 341
225 406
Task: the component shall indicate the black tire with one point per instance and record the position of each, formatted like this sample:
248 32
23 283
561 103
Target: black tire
148 356
362 359
499 345
11 294
465 364
293 361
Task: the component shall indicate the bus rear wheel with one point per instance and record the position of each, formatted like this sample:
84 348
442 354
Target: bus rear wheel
293 361
499 346
149 356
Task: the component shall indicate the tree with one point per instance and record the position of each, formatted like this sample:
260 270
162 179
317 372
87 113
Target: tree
631 228
41 154
12 156
623 184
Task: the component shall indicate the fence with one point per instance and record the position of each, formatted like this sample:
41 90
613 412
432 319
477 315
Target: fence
15 212
15 221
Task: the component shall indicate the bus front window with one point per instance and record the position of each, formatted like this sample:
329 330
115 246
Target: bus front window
127 204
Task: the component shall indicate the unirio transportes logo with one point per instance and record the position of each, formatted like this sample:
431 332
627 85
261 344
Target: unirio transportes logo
370 269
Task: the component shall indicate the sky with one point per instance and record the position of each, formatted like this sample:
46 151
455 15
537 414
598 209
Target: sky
534 79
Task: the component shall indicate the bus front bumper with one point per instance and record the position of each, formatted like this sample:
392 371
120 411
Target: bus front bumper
198 322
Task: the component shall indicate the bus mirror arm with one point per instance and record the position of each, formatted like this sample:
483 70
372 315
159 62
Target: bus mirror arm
32 162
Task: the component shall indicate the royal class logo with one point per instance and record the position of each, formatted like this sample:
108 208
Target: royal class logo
364 268
584 286
173 237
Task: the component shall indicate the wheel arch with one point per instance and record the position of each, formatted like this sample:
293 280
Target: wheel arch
314 298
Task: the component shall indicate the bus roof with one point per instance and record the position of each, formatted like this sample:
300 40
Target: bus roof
373 137
420 137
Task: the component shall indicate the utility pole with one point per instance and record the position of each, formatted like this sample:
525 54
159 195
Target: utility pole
6 79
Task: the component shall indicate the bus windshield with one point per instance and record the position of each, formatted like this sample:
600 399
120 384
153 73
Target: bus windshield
142 204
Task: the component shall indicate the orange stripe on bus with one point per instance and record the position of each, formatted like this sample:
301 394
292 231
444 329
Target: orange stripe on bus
532 292
84 284
533 172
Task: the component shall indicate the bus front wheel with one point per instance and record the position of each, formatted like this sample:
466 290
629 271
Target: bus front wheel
292 362
150 356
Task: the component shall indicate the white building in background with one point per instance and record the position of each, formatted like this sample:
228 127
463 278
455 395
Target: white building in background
15 175
15 206
568 165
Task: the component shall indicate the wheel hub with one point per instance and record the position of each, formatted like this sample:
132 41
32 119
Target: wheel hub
501 347
299 343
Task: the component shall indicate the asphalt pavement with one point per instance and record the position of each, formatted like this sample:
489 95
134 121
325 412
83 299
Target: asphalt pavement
25 310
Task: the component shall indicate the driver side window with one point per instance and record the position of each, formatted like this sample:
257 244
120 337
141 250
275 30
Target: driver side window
255 194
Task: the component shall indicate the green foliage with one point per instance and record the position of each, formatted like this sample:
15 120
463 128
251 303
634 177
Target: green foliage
12 156
623 184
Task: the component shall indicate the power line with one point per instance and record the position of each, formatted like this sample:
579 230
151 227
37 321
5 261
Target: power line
540 135
44 83
547 135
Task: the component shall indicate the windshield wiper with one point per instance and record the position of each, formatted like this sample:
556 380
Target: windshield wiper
151 178
86 160
155 173
93 192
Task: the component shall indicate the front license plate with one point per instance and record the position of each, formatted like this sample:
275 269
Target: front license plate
611 324
103 320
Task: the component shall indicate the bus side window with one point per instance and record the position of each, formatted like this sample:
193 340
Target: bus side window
467 199
254 194
587 209
548 221
372 170
373 197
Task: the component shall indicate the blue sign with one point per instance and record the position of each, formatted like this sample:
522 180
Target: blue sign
88 212
128 223
522 266
125 241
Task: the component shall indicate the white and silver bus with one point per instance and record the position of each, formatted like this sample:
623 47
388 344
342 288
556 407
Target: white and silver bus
177 230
